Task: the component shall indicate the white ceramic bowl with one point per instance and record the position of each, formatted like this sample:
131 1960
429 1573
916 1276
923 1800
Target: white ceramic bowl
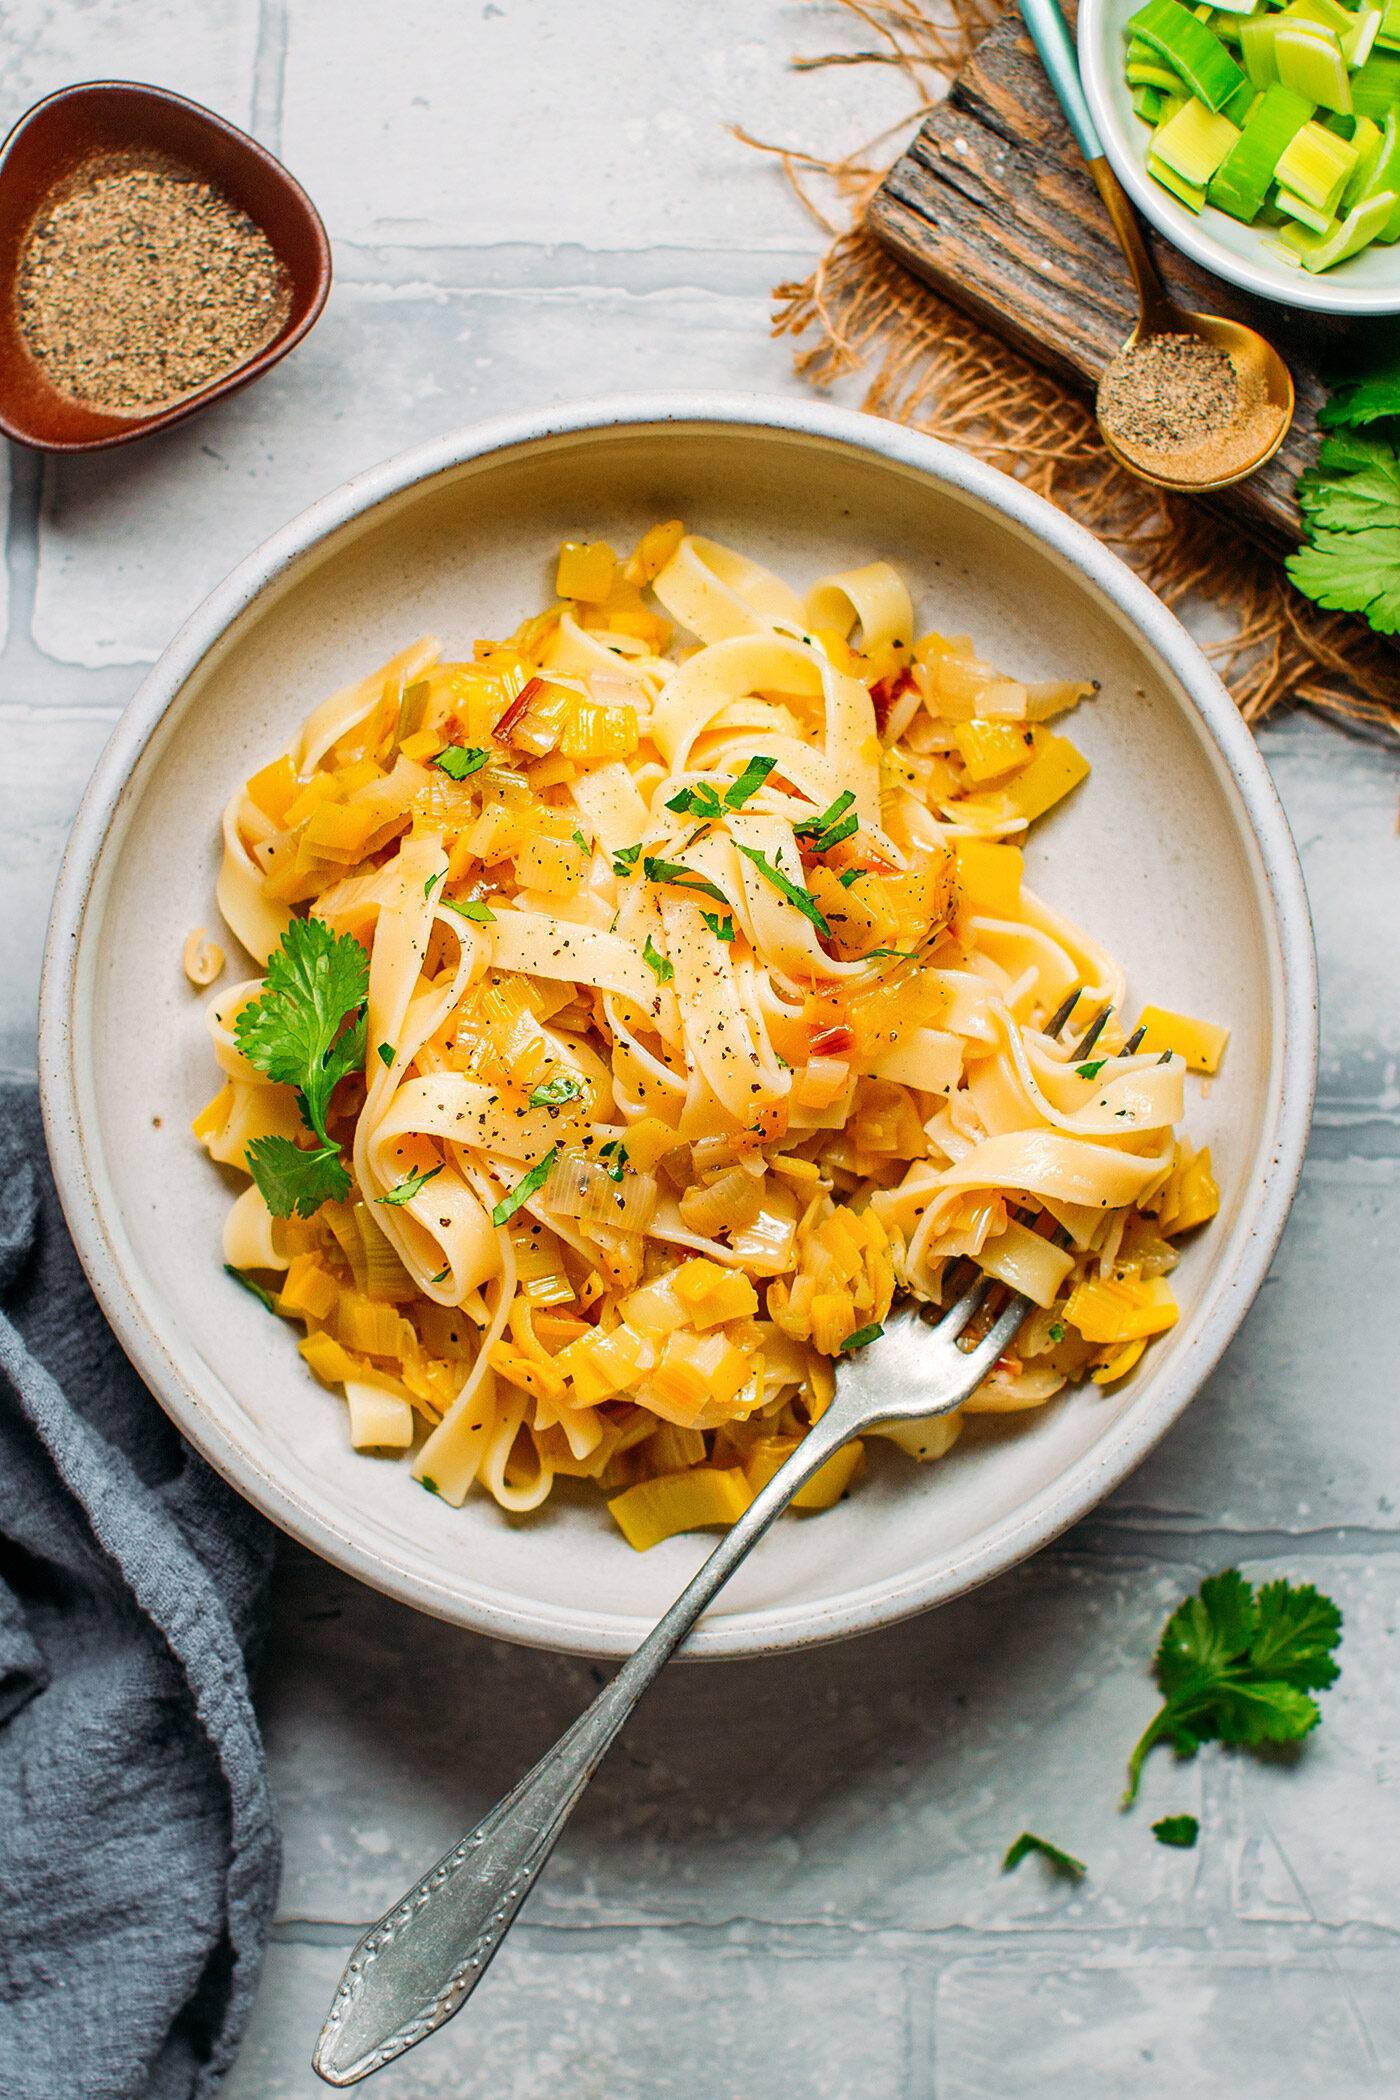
1176 854
1368 283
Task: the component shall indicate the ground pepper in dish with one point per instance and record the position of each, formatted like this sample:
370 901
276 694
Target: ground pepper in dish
140 283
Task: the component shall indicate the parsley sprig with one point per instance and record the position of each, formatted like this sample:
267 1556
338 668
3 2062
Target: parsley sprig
661 966
805 902
306 1029
528 1186
821 833
402 1192
458 760
1351 504
1238 1667
553 1093
680 877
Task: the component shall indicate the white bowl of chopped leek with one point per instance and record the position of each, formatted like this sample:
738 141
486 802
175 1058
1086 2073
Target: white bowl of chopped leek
1173 850
1262 142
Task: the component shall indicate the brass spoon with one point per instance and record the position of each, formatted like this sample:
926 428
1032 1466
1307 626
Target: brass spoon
1265 382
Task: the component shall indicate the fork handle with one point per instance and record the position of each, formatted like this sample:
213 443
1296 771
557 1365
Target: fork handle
418 1966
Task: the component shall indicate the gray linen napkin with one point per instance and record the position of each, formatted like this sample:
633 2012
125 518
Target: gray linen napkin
139 1853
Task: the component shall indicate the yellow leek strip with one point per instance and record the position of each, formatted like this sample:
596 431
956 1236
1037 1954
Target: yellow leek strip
658 1509
1105 1310
379 1420
991 748
712 1295
1056 768
308 1288
1197 1197
826 1486
586 570
1120 1363
1201 1043
989 878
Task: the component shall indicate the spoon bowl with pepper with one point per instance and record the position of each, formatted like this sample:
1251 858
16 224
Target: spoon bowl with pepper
1192 401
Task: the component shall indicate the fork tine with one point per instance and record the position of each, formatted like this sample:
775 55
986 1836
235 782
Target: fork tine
1133 1040
1092 1033
1061 1015
1003 1330
962 1310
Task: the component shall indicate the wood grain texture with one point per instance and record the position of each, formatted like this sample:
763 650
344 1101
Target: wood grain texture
992 205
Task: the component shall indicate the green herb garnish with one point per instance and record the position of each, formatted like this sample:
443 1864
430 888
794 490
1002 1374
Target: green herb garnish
614 1166
1062 1862
662 969
257 1289
722 929
701 799
480 914
805 902
864 1335
1057 1330
432 882
1237 1667
1092 1069
682 878
386 1053
833 825
460 759
624 860
295 1031
1350 502
749 782
553 1093
532 1182
1177 1830
407 1189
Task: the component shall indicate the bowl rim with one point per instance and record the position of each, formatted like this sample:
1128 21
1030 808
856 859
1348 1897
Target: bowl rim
252 368
1062 1501
1281 287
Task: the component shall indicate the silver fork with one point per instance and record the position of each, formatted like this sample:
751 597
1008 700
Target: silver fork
418 1966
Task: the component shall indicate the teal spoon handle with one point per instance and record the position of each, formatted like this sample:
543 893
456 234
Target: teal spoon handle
1049 32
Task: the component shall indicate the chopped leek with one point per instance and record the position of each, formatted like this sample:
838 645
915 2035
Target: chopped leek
1242 182
1315 165
1356 231
1257 49
1305 214
1194 143
1310 62
1191 194
1192 49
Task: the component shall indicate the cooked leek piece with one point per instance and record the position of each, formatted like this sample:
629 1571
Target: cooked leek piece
1194 142
1310 61
1315 165
1191 194
1242 181
1192 49
1357 230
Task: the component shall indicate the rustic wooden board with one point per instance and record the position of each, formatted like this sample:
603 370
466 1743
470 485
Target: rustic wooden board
992 205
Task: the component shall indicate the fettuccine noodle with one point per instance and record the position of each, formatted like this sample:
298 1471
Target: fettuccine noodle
707 1009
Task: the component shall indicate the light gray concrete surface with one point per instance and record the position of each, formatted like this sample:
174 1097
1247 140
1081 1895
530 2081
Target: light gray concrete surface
785 1882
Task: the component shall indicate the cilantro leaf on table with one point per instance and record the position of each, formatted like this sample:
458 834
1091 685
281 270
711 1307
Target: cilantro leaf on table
316 982
1177 1830
1062 1862
1366 400
1353 572
1236 1667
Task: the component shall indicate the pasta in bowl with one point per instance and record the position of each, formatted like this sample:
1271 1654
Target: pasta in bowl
651 996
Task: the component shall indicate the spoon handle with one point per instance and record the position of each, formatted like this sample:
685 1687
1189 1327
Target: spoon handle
393 1992
1049 32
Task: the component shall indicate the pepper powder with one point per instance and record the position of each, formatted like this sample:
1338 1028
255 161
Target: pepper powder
140 283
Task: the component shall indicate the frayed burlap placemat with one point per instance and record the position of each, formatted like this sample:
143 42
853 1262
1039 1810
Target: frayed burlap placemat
933 367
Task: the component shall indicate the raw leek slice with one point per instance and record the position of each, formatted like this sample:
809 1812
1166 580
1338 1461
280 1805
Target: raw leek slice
1240 104
1326 14
1194 142
1388 34
1357 230
1191 194
1356 48
1368 139
1315 165
1141 72
1375 87
1186 44
1305 214
1147 104
1233 8
1257 49
1243 180
1309 60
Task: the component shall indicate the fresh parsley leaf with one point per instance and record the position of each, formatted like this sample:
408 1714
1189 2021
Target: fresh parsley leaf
896 954
1234 1667
662 969
612 1157
749 782
409 1188
833 825
480 914
443 1274
722 929
863 1335
851 875
432 882
1366 400
458 760
681 878
701 799
241 1276
805 902
1057 1331
555 1092
580 840
296 1183
1062 1862
528 1186
386 1053
625 859
1092 1069
1177 1830
315 982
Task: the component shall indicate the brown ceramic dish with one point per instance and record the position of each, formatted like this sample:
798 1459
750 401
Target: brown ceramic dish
52 142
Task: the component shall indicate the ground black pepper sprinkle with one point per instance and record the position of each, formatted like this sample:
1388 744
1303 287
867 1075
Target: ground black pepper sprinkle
1171 393
141 283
